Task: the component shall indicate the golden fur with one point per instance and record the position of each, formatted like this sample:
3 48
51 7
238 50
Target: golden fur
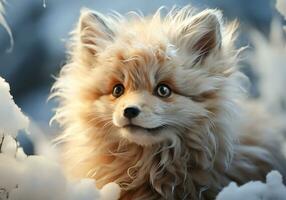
205 137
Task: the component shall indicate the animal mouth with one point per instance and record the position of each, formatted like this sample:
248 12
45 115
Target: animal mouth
136 127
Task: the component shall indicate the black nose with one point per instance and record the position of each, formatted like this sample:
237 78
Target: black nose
131 112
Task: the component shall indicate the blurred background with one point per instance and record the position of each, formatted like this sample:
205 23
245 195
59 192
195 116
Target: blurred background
40 30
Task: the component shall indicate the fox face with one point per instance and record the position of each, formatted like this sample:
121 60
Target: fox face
146 98
148 80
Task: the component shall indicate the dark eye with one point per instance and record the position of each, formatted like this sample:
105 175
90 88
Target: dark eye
118 90
163 90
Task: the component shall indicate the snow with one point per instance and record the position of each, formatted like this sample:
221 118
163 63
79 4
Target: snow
11 118
8 145
44 4
256 190
110 191
269 61
36 177
281 7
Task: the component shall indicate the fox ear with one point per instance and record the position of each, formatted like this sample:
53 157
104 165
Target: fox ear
93 31
202 34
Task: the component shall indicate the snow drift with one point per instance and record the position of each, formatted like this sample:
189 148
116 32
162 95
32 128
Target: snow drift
256 190
11 119
25 177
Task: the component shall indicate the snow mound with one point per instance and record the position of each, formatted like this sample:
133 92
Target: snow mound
11 118
256 190
36 177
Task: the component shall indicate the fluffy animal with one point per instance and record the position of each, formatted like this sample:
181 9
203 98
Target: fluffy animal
156 105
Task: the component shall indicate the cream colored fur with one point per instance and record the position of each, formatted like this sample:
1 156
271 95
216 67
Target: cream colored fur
208 134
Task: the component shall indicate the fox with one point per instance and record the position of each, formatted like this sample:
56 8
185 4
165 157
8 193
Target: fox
157 104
